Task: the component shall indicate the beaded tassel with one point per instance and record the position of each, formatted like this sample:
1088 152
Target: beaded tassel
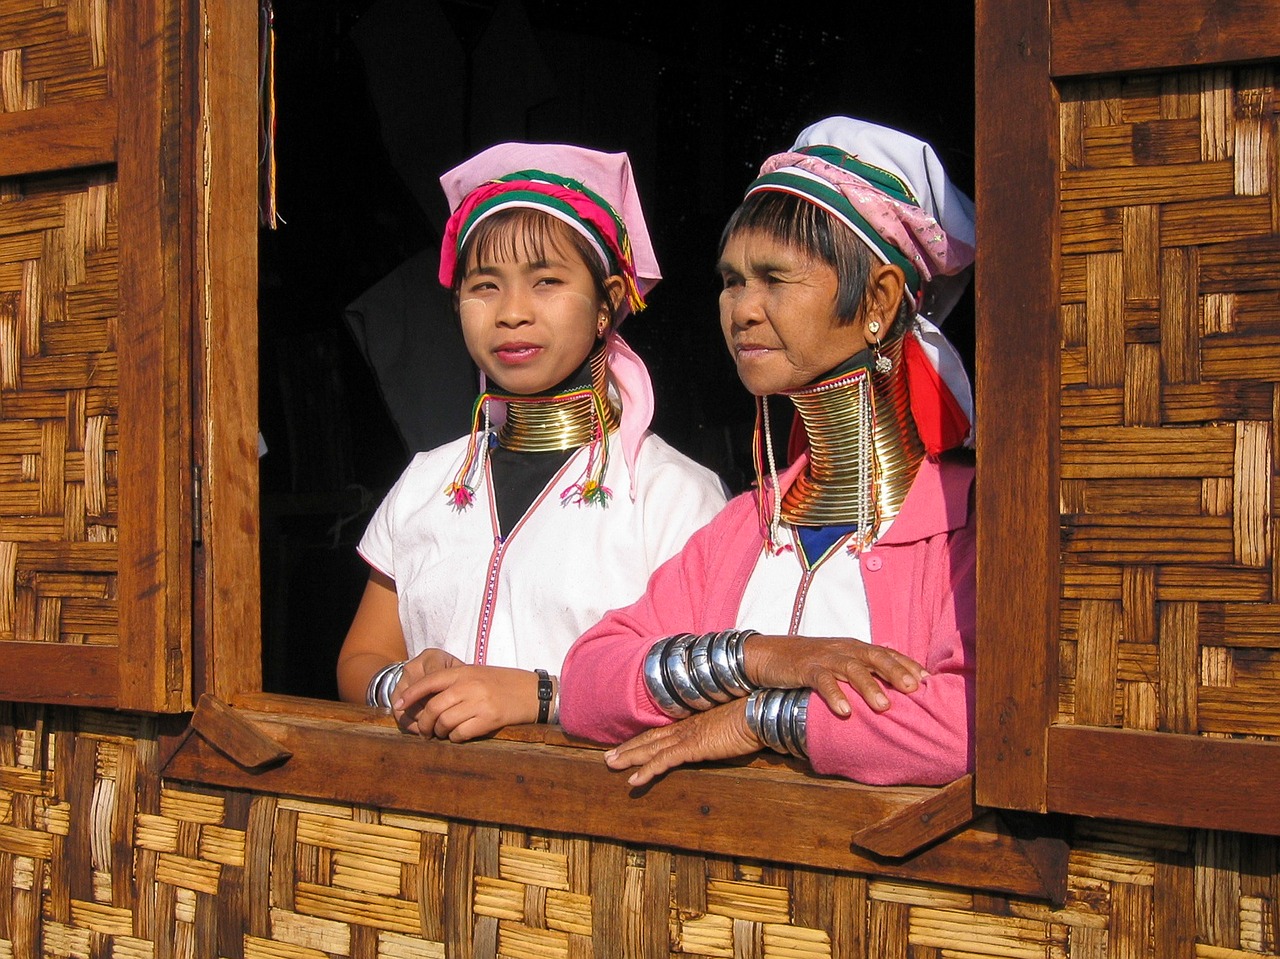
462 491
590 489
867 474
770 519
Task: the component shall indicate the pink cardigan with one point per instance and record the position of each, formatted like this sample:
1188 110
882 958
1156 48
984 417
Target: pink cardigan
920 590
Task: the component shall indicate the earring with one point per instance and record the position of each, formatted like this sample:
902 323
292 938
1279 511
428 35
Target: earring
601 326
882 363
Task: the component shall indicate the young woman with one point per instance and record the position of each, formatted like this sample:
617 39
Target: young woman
492 553
829 614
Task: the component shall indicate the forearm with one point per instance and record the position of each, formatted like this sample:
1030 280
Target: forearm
373 641
356 670
923 738
602 695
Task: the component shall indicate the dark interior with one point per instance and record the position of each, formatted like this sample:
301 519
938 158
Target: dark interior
374 99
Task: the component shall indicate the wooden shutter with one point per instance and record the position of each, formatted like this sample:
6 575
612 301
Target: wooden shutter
106 174
1128 371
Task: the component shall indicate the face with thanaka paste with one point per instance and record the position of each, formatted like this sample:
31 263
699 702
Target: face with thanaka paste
530 317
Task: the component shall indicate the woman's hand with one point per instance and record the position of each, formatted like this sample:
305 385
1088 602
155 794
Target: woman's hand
719 733
460 702
822 664
405 706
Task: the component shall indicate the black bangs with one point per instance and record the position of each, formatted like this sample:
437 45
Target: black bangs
523 234
797 223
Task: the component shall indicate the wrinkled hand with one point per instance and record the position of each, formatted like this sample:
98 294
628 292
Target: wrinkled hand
822 664
461 702
719 733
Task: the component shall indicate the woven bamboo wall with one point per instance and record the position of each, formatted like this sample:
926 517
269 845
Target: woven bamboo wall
58 424
1170 299
52 52
101 859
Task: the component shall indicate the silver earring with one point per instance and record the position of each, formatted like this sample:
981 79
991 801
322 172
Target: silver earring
882 363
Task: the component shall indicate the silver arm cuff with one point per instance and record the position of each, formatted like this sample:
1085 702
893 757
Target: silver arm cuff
686 673
655 680
779 719
382 684
679 677
727 659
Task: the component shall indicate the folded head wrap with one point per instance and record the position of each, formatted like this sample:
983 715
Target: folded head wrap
593 193
890 189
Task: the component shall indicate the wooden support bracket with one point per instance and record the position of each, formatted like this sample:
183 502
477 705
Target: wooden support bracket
911 828
242 741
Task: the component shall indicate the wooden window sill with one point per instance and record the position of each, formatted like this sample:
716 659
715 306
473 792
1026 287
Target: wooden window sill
536 777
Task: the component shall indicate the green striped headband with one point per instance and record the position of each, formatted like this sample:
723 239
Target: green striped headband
823 193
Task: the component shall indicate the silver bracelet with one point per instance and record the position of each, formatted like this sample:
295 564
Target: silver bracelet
686 673
656 683
726 649
703 670
779 719
678 676
383 683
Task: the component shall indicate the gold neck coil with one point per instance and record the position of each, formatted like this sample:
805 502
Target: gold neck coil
562 421
864 449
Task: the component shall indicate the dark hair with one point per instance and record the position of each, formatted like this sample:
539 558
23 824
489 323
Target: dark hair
521 231
797 223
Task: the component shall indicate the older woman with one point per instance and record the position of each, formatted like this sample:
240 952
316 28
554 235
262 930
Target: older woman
851 572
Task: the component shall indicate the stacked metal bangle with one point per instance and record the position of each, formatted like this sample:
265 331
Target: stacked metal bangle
687 673
383 684
779 719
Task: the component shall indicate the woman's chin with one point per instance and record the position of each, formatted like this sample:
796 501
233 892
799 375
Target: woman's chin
760 385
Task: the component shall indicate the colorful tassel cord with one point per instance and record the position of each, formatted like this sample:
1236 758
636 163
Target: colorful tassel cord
461 493
268 212
769 497
590 490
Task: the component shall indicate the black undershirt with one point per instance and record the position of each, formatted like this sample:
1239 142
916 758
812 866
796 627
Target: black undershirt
519 477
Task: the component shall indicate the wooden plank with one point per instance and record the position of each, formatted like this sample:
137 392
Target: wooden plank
1143 539
1196 403
1133 452
154 467
1129 186
1237 710
226 386
1241 357
1164 778
59 673
568 789
58 137
1247 625
1160 34
1016 140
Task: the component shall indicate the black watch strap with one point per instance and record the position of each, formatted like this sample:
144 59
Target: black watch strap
544 695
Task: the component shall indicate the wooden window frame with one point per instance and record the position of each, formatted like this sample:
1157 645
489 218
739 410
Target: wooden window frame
136 129
1024 760
243 738
178 131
